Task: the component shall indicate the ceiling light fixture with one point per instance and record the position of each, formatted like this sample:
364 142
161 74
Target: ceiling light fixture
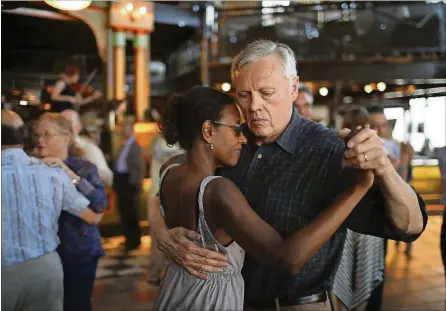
69 5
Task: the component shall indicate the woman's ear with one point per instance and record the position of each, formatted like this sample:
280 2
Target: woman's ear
207 131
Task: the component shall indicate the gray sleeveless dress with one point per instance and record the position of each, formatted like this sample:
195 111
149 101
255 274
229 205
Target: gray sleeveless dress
221 291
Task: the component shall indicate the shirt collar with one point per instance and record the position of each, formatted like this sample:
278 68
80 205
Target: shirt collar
14 152
287 140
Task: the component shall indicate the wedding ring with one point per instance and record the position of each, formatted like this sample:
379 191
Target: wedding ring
365 157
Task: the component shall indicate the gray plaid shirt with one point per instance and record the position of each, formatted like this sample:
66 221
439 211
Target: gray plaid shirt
288 182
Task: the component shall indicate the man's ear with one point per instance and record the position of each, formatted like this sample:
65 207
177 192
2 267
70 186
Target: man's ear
294 88
207 131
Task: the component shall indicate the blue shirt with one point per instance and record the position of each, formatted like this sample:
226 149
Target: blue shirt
33 197
121 162
392 148
79 241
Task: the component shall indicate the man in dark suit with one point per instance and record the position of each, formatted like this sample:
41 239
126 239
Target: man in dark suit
129 174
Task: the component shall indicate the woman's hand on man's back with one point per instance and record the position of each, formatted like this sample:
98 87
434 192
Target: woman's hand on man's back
178 244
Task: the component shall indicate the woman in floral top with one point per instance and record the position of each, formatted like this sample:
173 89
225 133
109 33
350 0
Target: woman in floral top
80 243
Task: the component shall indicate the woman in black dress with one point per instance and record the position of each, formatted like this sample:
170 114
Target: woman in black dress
63 97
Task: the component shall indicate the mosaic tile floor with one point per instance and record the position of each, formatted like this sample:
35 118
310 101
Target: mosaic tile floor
411 284
119 263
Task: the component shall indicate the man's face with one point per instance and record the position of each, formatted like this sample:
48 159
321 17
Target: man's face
380 124
303 105
265 96
74 119
127 130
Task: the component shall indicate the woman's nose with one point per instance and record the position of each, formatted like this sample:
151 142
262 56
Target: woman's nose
242 138
38 138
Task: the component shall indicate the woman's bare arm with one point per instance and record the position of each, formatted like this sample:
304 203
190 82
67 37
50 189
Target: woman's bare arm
96 95
58 88
260 240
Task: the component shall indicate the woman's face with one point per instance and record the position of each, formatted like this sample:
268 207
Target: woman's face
71 79
75 78
228 137
50 139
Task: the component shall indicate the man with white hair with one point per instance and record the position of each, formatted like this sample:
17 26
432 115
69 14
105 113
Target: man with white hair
92 152
290 170
304 101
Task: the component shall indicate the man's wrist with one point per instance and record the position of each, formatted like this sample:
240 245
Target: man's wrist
386 172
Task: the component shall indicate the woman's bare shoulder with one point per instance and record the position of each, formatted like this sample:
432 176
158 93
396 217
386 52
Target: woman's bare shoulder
178 159
224 190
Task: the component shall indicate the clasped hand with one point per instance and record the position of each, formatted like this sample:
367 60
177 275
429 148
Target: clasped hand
366 151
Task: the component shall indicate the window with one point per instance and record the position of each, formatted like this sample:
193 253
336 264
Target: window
428 118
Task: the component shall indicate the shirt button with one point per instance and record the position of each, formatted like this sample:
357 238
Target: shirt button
259 156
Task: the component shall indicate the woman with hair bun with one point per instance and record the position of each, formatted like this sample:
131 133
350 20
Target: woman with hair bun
206 123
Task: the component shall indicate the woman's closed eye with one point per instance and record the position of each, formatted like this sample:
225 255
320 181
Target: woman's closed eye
236 127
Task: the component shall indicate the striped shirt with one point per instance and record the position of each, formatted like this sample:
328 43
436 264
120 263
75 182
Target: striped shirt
361 269
33 197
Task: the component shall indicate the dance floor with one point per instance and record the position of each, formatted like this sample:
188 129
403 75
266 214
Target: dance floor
416 283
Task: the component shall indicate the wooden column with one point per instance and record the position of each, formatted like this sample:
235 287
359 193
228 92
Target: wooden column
141 47
119 42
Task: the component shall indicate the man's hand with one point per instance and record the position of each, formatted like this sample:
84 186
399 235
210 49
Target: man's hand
366 151
178 244
394 161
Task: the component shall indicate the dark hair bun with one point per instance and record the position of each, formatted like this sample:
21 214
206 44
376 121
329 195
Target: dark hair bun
185 114
169 125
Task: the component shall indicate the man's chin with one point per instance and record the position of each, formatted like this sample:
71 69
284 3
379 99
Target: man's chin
259 132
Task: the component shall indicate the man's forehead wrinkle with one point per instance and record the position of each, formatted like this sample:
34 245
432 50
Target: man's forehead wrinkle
267 72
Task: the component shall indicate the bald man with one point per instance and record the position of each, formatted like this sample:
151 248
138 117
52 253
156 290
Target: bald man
92 152
33 197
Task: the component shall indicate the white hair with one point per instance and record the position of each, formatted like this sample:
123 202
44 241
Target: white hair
262 48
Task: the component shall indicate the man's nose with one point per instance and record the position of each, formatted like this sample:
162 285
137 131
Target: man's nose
256 103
